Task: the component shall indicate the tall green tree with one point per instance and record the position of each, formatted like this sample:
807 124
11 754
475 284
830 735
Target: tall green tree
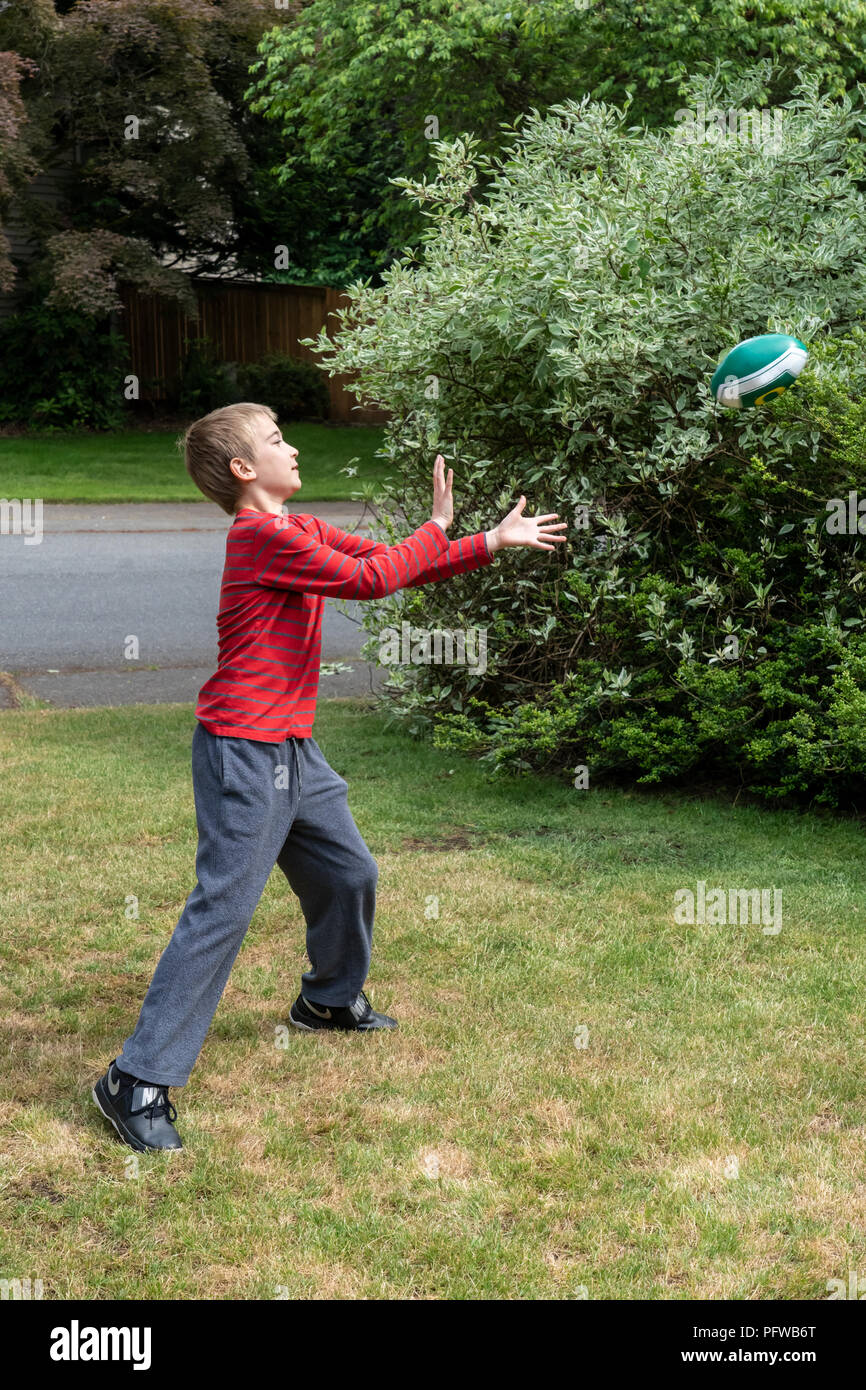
360 90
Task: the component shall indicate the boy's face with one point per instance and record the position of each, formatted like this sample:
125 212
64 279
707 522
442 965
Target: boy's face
271 476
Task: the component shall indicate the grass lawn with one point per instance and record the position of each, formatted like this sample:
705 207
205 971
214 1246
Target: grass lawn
141 466
706 1141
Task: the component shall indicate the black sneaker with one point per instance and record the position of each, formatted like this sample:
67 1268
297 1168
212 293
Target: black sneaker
359 1017
140 1111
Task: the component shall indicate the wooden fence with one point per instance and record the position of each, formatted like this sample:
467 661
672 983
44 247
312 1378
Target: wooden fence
244 321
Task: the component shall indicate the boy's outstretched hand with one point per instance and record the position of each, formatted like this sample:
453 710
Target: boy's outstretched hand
443 503
517 529
537 532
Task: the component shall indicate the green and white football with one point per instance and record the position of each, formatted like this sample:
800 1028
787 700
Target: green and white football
758 370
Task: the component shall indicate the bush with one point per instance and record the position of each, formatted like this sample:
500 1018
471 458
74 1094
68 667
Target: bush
296 390
557 339
205 383
61 369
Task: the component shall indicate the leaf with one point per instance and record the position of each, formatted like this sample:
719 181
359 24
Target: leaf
529 335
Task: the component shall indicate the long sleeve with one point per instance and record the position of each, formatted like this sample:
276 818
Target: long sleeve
467 553
285 555
348 542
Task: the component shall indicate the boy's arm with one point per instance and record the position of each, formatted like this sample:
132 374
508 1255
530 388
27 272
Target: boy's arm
285 555
467 553
346 541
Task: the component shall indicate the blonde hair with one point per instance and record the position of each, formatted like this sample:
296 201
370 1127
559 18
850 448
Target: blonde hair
212 442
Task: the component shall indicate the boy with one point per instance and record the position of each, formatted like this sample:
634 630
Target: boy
264 793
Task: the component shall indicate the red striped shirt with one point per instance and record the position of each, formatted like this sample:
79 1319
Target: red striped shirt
278 572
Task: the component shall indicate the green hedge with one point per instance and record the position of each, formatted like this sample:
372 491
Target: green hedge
295 389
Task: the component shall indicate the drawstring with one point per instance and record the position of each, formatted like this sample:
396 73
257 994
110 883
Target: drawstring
290 739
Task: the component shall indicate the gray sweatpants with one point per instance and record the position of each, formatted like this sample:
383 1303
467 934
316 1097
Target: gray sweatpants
257 804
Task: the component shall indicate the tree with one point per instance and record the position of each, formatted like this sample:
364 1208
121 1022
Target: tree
17 161
353 86
143 97
360 91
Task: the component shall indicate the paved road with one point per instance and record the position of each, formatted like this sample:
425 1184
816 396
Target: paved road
153 570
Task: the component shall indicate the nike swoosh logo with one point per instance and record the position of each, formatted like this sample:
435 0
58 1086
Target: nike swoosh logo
113 1090
320 1013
